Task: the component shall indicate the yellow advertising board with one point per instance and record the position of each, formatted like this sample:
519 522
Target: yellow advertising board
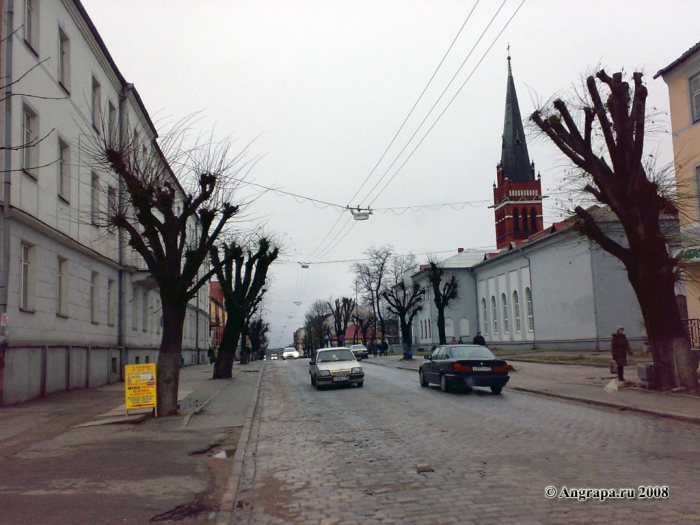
140 386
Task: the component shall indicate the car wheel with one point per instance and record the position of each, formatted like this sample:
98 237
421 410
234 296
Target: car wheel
421 379
360 384
443 383
496 389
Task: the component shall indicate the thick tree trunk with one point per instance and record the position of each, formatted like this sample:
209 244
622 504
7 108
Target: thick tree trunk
168 367
655 288
441 326
223 368
405 330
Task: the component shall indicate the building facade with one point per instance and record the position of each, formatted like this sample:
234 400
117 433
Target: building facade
77 303
683 79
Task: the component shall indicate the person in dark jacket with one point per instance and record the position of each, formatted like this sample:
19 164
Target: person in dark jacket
479 339
620 347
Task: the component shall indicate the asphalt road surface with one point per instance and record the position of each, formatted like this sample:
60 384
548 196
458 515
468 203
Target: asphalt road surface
395 453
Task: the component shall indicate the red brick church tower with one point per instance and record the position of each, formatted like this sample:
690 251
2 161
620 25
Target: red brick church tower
517 197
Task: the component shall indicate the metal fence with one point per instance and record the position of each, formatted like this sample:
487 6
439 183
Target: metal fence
692 330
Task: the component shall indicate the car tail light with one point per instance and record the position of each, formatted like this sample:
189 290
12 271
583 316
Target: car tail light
502 368
458 367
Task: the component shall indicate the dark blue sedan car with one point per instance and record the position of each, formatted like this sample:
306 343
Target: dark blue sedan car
453 366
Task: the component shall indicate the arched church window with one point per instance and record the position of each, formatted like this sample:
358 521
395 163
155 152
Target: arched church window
516 221
533 220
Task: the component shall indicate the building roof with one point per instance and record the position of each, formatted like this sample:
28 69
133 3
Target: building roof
514 157
685 56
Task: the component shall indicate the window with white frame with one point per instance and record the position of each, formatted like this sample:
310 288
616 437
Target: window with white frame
135 308
26 278
63 170
159 317
31 24
112 122
111 205
694 89
96 100
516 311
111 301
504 309
61 286
30 140
530 314
485 314
63 59
494 314
94 297
94 198
144 311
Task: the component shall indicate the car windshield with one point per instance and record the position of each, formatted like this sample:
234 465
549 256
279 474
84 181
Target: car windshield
335 355
471 352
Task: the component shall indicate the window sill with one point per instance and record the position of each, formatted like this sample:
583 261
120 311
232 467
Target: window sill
29 174
64 88
62 316
27 310
64 199
96 323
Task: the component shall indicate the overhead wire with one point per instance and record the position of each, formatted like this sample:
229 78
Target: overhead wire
415 104
450 102
408 143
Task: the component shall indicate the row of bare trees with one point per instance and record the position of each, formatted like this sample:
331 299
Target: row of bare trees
176 207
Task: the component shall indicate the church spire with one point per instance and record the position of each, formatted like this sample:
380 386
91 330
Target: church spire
514 157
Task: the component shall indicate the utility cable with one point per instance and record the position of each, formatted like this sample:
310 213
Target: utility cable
415 104
449 103
408 143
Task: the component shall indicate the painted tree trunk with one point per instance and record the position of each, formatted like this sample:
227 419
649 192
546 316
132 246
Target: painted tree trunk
168 376
405 330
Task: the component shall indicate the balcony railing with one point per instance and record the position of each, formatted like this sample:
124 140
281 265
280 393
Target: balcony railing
692 330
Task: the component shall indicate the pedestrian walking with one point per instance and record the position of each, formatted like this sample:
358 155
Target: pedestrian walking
384 348
374 351
479 339
620 347
461 341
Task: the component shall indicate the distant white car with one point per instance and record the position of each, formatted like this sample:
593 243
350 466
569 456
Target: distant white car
273 357
290 352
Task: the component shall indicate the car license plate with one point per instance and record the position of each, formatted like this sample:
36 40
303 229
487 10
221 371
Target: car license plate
481 368
341 378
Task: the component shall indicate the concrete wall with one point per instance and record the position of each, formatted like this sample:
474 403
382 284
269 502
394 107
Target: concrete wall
35 371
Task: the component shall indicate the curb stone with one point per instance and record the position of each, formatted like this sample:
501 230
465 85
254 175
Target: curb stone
228 500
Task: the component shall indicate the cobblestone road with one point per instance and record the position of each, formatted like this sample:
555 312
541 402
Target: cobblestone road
395 453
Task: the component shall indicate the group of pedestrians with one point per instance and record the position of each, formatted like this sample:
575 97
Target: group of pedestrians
382 348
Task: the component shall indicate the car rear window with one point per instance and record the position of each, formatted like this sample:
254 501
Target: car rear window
471 352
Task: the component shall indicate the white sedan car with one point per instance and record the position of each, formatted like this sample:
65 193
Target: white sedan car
335 366
290 352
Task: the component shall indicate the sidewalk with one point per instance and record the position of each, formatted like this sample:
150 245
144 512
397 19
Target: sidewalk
581 383
59 452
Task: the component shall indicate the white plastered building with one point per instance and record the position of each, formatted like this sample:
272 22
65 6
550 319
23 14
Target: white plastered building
78 303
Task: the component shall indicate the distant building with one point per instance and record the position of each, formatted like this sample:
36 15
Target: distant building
546 288
217 312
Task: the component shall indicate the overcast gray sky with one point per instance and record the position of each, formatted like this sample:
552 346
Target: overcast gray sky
323 86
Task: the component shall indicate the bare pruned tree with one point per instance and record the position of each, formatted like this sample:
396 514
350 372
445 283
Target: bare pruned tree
443 293
175 199
341 310
404 300
242 274
371 279
606 145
